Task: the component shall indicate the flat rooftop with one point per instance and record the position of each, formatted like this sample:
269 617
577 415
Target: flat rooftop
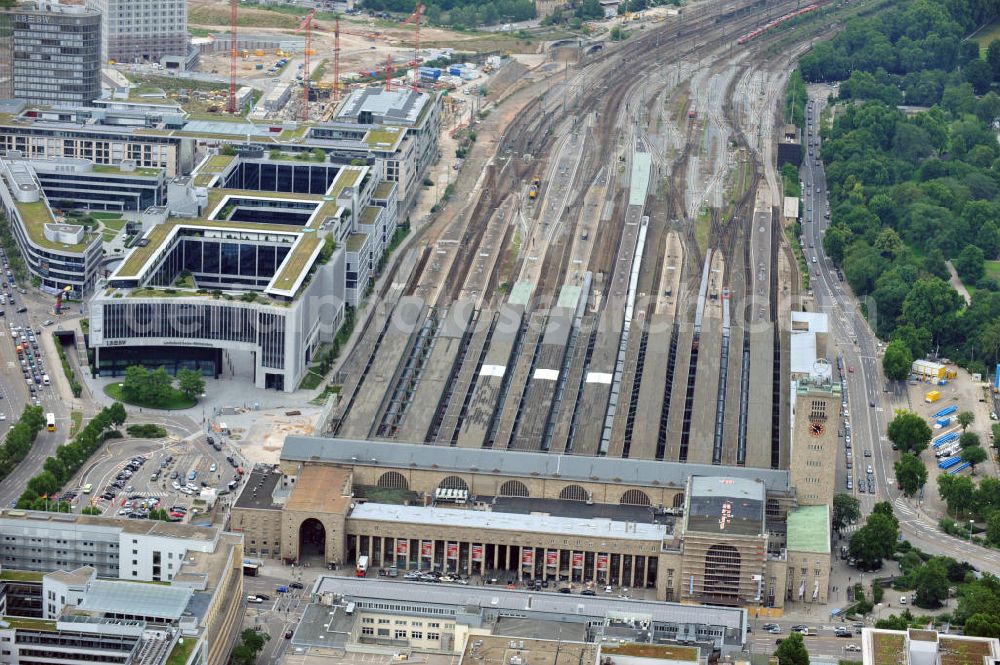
494 521
258 491
577 509
375 589
396 107
31 518
321 489
148 600
560 649
360 452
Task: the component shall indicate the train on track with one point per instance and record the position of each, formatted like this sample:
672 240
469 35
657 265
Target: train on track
536 184
776 22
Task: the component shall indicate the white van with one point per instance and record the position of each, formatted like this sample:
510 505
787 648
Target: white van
45 380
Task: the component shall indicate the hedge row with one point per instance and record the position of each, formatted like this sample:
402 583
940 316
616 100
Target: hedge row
61 467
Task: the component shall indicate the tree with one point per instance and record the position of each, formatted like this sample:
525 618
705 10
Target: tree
974 455
993 527
897 360
895 621
792 651
965 418
911 474
968 440
846 509
993 58
989 339
117 414
959 492
250 645
909 432
91 510
148 387
979 74
983 625
969 264
190 383
876 540
930 582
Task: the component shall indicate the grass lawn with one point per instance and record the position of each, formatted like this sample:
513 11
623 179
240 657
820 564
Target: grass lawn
182 651
107 215
993 270
177 399
311 380
320 399
117 224
76 419
987 35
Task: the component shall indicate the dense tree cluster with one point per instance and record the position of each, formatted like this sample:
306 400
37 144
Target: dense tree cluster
910 191
156 388
876 540
462 13
20 437
966 498
69 457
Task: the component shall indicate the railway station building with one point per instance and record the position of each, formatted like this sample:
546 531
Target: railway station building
695 533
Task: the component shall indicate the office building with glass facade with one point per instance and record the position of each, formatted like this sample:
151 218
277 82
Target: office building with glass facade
54 53
255 284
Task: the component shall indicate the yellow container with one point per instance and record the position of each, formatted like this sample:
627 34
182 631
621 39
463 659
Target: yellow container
932 396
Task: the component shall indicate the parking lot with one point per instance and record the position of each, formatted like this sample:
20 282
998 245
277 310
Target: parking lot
964 394
135 476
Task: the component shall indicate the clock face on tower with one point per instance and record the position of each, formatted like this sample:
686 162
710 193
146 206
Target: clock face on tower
816 429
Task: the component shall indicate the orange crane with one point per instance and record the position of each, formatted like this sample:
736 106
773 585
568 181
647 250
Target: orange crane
414 18
307 26
233 6
388 72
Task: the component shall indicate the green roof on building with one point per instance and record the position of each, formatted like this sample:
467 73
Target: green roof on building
809 529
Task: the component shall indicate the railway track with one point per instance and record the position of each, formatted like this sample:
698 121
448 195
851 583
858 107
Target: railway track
529 134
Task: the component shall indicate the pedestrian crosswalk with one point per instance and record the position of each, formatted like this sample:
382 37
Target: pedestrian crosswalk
901 506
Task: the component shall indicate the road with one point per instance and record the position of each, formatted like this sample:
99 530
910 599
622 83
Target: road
868 392
14 390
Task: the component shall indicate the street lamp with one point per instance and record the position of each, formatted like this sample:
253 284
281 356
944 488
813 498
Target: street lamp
970 529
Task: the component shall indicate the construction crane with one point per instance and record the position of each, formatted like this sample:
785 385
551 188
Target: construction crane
414 18
233 6
306 25
388 72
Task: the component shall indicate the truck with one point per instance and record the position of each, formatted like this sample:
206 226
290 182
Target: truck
361 569
932 396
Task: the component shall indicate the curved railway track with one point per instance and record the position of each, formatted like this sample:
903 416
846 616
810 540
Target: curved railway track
529 134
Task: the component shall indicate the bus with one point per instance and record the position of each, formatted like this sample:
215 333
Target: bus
50 422
88 488
362 568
